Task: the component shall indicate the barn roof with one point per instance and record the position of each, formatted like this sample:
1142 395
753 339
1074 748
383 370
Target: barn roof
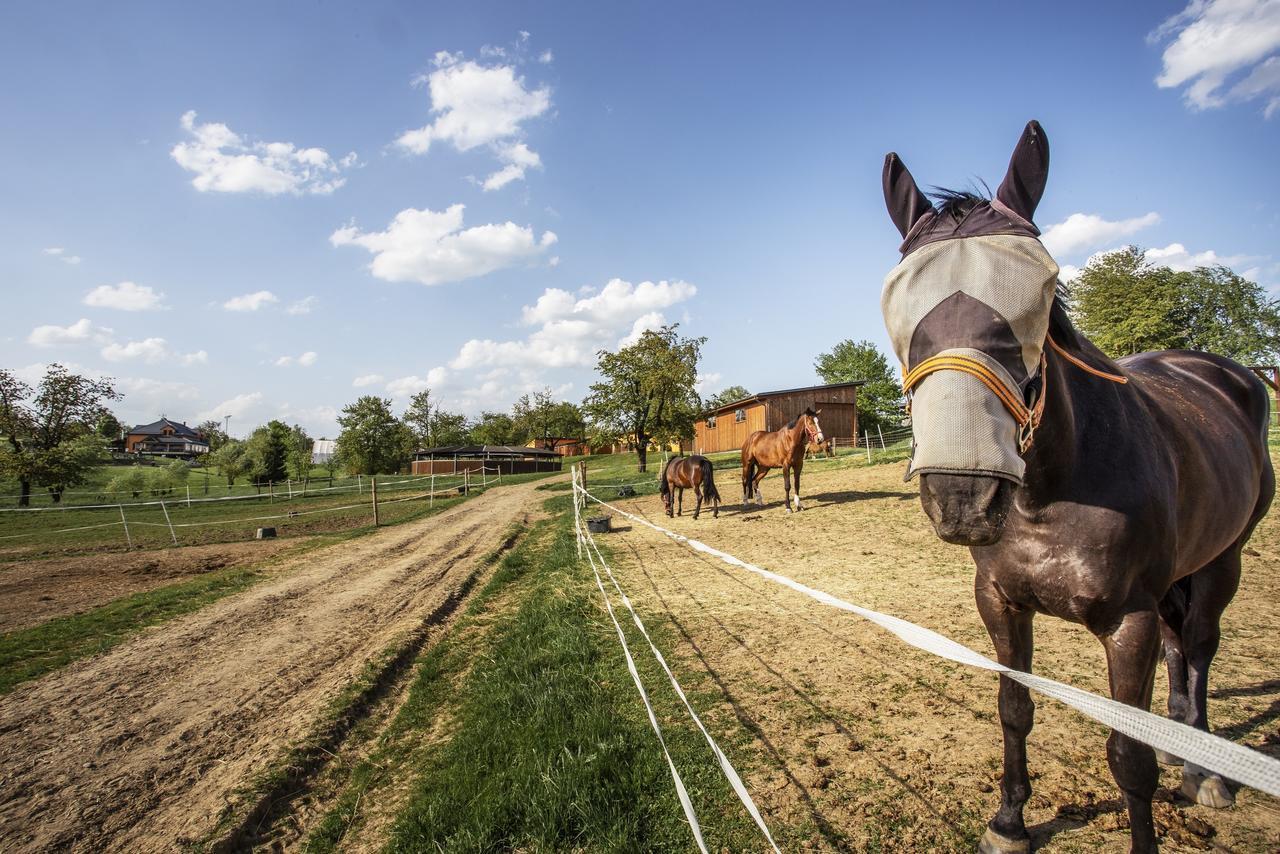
767 394
483 451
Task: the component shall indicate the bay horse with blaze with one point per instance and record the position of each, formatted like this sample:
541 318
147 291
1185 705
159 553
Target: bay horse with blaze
691 472
1114 494
779 449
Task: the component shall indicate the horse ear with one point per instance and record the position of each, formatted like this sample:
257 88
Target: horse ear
1024 183
902 197
818 412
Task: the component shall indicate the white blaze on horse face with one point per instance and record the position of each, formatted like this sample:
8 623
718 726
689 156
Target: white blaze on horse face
818 427
1005 285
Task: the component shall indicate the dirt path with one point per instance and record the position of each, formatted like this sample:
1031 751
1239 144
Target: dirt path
869 744
139 749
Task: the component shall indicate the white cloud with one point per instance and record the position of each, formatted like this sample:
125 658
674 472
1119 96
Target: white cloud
318 420
1216 39
367 380
546 57
61 254
406 387
237 407
432 248
54 250
303 306
477 105
225 163
155 393
80 332
153 351
1080 232
125 296
1177 257
706 382
251 302
306 360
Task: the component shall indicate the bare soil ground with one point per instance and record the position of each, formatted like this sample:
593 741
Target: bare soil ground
872 745
140 749
33 591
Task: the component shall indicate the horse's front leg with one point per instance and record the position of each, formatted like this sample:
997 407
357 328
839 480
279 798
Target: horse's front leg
797 476
1010 628
786 486
1132 651
680 501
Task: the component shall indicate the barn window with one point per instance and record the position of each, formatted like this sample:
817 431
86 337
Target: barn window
740 415
711 422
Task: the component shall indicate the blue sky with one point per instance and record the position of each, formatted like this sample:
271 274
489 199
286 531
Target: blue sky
269 209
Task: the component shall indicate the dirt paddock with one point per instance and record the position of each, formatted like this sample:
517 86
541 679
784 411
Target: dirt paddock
871 744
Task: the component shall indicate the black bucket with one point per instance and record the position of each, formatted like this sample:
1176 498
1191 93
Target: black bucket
627 491
598 524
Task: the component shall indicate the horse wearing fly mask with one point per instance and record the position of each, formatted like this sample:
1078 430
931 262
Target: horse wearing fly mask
1115 494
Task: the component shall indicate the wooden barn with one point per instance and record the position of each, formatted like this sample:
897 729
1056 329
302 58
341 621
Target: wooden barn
727 427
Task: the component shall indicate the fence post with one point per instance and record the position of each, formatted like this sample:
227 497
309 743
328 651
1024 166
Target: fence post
123 521
433 486
866 440
169 522
882 447
271 492
359 484
206 486
373 485
484 476
289 485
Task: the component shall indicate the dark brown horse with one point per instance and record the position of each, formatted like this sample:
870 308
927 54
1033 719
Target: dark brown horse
780 449
1117 495
691 472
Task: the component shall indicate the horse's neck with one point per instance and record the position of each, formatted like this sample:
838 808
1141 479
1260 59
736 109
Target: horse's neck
796 435
1055 452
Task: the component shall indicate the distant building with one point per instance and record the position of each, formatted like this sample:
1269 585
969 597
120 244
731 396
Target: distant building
165 438
323 451
509 459
726 427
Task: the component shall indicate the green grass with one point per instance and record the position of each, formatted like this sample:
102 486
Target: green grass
547 746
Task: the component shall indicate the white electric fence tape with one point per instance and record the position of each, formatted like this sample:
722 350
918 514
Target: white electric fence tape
725 766
653 720
1233 761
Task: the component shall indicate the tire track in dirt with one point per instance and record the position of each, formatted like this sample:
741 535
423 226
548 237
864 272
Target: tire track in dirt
139 749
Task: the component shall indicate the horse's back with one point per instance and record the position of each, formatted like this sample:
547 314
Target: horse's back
1212 395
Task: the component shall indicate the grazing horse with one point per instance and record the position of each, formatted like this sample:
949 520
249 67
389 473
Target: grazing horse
816 449
1117 495
691 472
785 448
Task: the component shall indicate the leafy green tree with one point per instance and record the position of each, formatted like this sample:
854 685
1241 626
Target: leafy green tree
1229 315
299 454
213 434
539 417
267 450
109 428
880 400
493 428
230 460
1125 305
373 440
65 407
133 482
70 464
179 472
449 428
646 391
418 418
731 394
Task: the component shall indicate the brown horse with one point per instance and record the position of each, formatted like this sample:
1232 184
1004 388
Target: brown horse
1117 495
691 472
817 449
782 448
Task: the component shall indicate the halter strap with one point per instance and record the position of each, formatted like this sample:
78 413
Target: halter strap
1027 417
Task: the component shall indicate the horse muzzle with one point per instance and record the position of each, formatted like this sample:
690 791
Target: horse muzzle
966 509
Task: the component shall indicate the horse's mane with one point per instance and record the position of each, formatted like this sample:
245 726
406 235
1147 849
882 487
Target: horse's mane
1065 334
958 203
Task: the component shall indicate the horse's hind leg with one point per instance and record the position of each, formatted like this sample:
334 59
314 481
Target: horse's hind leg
1010 630
786 486
755 485
1173 613
680 501
697 492
1132 651
1210 590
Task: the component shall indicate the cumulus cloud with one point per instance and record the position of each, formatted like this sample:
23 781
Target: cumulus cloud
1177 257
432 248
224 162
302 306
706 382
237 407
156 393
62 255
305 360
80 332
480 105
126 296
153 351
403 388
1211 43
1081 232
251 302
367 380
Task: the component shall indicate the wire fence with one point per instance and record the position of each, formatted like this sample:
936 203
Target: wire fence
1215 753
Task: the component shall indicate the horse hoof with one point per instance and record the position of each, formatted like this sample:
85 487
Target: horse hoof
1206 789
996 843
1167 758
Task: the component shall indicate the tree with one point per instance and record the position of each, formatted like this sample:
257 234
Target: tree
267 452
70 463
213 434
373 441
540 418
448 428
132 481
418 418
647 391
298 458
109 428
1126 305
730 395
65 407
493 428
229 460
880 399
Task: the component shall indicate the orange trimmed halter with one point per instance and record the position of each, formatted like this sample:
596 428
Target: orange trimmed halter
1027 417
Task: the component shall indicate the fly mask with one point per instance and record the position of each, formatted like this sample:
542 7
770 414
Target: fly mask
967 310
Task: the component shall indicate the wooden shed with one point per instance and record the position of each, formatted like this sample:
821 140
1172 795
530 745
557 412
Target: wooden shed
727 427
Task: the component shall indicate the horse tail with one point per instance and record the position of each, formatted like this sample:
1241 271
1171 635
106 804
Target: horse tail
709 491
748 476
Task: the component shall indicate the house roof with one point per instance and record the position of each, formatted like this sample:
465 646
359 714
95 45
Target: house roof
766 394
484 450
155 428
